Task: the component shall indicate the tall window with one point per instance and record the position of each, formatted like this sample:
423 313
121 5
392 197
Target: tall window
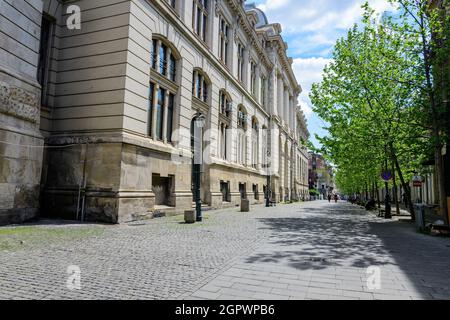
255 143
200 17
240 61
253 77
225 108
224 34
242 118
162 95
263 91
223 140
242 137
44 56
264 145
225 104
162 59
161 107
200 86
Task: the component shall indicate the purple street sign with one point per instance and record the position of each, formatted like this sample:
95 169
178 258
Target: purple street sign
386 175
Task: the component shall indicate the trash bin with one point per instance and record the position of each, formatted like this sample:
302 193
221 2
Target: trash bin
420 216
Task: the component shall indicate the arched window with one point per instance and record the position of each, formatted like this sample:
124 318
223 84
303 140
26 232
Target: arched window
163 59
242 118
225 106
163 94
242 136
200 86
225 110
264 146
255 143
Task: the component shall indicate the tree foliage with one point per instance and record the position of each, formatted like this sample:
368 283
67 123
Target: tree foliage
380 98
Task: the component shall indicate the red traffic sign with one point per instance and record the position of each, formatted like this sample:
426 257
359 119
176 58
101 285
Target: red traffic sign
417 183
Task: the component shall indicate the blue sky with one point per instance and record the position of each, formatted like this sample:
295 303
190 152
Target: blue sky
311 28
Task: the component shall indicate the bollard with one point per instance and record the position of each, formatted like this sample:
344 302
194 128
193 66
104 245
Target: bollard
245 205
189 216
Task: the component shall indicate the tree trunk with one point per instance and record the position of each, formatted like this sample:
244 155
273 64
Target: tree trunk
378 195
436 118
397 205
404 184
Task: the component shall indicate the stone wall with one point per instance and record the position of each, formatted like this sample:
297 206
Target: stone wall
21 144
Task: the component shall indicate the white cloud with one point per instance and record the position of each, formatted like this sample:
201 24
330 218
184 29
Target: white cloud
307 72
311 28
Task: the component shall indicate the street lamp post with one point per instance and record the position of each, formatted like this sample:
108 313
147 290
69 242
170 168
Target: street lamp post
268 191
387 200
199 123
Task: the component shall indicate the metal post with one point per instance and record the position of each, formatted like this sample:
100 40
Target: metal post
387 202
199 123
268 191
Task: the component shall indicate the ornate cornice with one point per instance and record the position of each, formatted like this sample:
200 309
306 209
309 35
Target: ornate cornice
242 20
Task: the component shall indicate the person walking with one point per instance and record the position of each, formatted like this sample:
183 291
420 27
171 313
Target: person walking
329 197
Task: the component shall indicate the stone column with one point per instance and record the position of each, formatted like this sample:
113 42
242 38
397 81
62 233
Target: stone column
165 113
280 99
155 103
272 91
258 85
286 106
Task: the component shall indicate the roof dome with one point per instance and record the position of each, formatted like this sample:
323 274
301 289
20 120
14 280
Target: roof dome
262 18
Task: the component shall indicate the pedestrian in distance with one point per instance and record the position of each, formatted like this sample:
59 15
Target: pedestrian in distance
329 197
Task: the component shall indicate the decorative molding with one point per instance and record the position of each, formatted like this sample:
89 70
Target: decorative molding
19 103
218 7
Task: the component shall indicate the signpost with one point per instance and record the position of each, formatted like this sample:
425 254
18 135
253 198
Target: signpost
387 175
417 181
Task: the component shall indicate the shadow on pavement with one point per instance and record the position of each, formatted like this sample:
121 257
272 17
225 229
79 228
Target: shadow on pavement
346 236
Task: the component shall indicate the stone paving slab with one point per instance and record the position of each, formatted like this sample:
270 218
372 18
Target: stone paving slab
307 251
322 252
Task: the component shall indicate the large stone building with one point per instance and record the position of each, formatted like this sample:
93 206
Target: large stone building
96 122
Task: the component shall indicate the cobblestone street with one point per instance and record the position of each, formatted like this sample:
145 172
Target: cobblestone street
314 250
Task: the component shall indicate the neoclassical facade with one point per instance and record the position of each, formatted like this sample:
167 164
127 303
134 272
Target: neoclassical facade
96 123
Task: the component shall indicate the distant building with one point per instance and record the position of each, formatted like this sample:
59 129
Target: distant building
321 176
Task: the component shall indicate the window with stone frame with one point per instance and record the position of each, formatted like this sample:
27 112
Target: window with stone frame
224 40
225 104
264 146
225 109
263 98
253 70
255 143
240 61
163 91
45 51
162 59
242 137
200 18
200 86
